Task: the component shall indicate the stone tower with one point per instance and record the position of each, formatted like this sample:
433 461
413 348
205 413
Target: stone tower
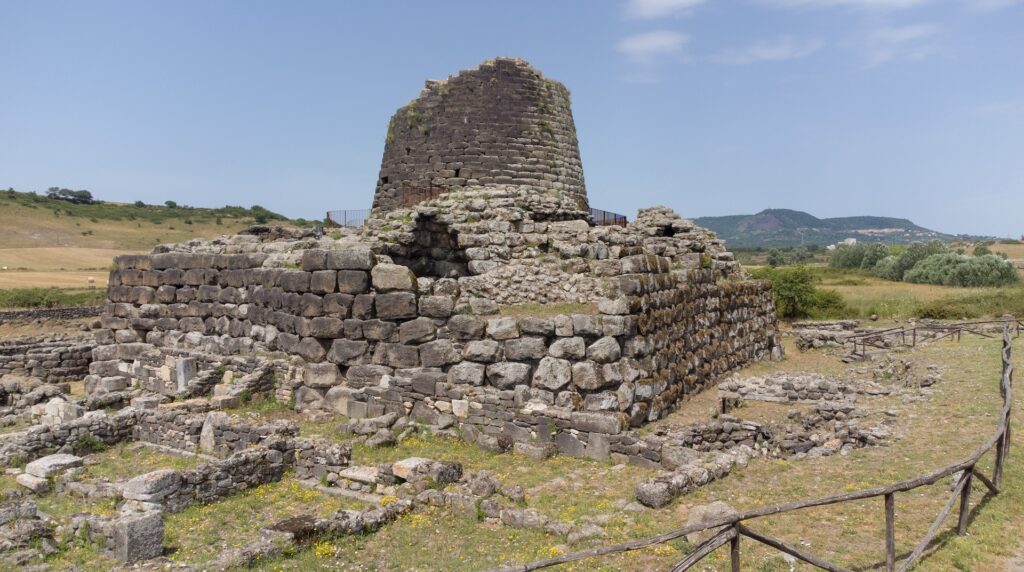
500 123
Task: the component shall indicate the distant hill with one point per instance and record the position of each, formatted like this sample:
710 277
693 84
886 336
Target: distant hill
31 220
785 227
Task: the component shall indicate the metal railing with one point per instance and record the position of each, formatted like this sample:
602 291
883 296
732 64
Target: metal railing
349 218
732 528
607 218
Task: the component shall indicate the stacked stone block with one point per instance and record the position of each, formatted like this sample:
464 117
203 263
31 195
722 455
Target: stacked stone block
500 123
52 359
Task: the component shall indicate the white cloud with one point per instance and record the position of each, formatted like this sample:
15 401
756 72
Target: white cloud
649 46
881 5
646 50
910 43
649 9
781 49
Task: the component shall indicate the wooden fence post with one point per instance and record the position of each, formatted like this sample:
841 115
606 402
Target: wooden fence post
890 532
965 501
734 549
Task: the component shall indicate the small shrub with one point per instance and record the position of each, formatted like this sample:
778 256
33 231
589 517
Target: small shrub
87 444
796 295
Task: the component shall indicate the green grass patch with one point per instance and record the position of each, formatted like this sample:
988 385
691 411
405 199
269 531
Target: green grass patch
22 298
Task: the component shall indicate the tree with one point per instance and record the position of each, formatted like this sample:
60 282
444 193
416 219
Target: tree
776 258
140 204
171 204
873 253
75 197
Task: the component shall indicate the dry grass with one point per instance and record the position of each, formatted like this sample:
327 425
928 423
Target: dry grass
53 279
59 258
26 227
1012 251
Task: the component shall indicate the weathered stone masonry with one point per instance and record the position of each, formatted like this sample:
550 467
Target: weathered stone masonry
53 359
502 122
403 316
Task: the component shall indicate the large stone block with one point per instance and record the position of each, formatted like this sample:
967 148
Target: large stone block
396 305
502 328
351 257
436 306
438 353
347 351
552 373
417 331
529 348
153 486
467 372
321 375
52 464
485 351
465 327
390 277
323 281
605 350
353 281
506 375
597 422
139 537
326 327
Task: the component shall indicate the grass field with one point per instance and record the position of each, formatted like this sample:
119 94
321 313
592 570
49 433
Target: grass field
53 243
866 295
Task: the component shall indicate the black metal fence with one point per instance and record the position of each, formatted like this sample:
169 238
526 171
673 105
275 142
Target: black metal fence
606 218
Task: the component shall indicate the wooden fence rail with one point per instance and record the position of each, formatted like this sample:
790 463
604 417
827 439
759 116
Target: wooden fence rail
734 527
908 337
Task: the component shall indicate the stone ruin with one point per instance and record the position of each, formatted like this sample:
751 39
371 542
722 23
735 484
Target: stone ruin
479 299
411 313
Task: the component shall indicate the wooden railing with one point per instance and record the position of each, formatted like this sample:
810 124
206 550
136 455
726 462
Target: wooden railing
734 527
902 336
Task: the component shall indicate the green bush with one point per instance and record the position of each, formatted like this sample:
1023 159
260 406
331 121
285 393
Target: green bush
912 255
886 268
796 295
873 253
981 250
966 271
49 298
847 256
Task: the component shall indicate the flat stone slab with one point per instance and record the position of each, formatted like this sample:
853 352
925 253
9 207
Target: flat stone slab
52 464
153 486
37 485
408 467
361 474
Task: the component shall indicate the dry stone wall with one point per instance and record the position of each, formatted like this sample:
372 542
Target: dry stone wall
53 359
374 338
502 122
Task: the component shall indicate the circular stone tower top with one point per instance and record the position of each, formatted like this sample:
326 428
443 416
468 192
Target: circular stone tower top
500 123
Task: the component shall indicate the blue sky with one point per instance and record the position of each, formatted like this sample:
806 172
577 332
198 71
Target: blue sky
911 108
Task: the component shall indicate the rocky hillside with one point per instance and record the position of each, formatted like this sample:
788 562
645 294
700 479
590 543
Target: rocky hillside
785 227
